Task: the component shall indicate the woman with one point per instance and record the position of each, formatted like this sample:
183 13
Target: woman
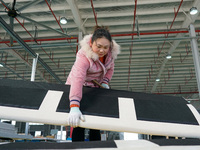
94 61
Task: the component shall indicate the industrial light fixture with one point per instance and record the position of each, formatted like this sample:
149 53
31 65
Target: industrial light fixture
157 80
63 20
168 56
193 11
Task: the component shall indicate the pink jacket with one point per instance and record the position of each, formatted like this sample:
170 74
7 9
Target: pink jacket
88 67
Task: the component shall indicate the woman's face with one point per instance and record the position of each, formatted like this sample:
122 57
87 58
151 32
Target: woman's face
101 46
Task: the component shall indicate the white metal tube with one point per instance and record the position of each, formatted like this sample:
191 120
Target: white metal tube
34 68
32 79
195 53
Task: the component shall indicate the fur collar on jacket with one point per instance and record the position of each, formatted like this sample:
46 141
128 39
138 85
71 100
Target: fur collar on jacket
85 45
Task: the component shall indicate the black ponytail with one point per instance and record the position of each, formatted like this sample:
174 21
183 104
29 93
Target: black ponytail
101 31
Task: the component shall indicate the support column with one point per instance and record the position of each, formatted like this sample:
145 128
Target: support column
195 53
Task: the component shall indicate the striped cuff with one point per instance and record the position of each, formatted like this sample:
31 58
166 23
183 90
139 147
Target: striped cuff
74 105
74 102
105 80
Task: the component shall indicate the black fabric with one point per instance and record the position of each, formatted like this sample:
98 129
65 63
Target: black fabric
163 109
99 102
31 94
54 146
94 135
78 135
21 97
25 94
176 142
149 107
95 101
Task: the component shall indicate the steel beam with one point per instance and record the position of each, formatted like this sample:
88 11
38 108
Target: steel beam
34 2
156 40
27 48
11 70
77 16
40 24
12 26
42 45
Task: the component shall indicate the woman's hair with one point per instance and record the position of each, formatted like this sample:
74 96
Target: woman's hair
101 31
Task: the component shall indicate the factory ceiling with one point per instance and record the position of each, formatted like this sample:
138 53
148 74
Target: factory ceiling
146 30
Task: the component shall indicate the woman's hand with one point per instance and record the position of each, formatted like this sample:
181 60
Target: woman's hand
106 86
75 116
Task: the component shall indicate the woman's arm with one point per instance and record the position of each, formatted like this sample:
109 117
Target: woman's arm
78 76
109 74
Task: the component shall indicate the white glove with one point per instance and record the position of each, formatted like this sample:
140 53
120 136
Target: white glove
75 116
105 86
